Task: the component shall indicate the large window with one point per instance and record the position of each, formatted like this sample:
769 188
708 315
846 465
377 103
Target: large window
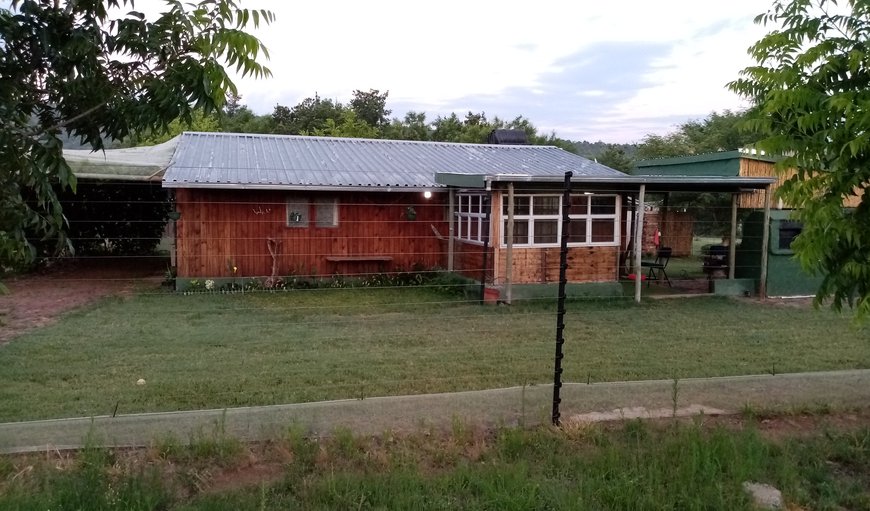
538 220
470 218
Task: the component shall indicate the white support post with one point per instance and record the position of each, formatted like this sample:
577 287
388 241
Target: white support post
638 243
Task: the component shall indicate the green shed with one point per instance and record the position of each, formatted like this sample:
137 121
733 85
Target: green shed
785 277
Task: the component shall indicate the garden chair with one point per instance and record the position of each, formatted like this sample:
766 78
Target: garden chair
657 267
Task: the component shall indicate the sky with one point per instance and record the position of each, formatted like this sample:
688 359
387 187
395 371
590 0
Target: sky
612 70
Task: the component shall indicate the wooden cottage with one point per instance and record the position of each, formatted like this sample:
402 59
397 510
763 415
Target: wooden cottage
261 205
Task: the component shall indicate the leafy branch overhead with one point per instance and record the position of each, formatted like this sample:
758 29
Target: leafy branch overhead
78 69
811 87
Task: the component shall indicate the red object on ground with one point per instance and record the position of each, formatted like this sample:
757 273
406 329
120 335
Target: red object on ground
631 277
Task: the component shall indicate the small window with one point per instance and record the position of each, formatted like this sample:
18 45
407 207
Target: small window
326 213
297 213
788 231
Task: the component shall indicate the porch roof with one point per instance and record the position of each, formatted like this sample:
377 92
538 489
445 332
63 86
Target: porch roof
621 182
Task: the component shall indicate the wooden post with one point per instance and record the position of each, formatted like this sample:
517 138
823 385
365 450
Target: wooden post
509 254
732 245
765 241
451 222
638 243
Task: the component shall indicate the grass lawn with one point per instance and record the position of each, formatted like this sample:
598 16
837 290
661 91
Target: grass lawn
633 465
213 351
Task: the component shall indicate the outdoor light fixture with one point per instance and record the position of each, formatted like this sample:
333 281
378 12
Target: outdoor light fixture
427 194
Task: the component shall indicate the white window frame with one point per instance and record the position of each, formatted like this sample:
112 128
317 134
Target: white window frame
302 205
587 217
470 226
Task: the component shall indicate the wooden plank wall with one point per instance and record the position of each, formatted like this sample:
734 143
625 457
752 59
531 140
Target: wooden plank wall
677 229
222 228
755 200
468 260
756 168
541 265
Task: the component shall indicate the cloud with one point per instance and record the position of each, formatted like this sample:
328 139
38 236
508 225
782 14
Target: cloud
611 70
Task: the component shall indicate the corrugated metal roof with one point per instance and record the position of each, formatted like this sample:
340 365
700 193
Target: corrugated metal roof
230 160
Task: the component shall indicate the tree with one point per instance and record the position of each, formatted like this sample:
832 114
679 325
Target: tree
74 69
412 127
615 158
371 107
717 132
198 121
309 115
348 125
246 121
811 88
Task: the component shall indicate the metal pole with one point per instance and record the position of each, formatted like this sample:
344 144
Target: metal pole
560 316
638 243
509 256
732 245
451 230
486 206
765 241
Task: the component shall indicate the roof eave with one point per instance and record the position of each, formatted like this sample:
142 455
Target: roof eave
307 188
483 181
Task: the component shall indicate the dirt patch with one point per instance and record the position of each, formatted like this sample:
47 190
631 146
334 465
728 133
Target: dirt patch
39 298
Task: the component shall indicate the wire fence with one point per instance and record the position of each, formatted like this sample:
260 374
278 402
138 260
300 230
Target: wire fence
254 298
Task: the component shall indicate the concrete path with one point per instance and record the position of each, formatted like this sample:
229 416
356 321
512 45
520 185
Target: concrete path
510 406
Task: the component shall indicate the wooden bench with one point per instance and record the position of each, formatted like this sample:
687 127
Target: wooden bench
381 260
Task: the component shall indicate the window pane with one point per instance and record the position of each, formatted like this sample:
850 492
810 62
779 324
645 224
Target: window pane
603 205
602 230
546 205
579 205
546 231
463 204
577 231
326 213
788 231
475 204
297 213
521 205
521 232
